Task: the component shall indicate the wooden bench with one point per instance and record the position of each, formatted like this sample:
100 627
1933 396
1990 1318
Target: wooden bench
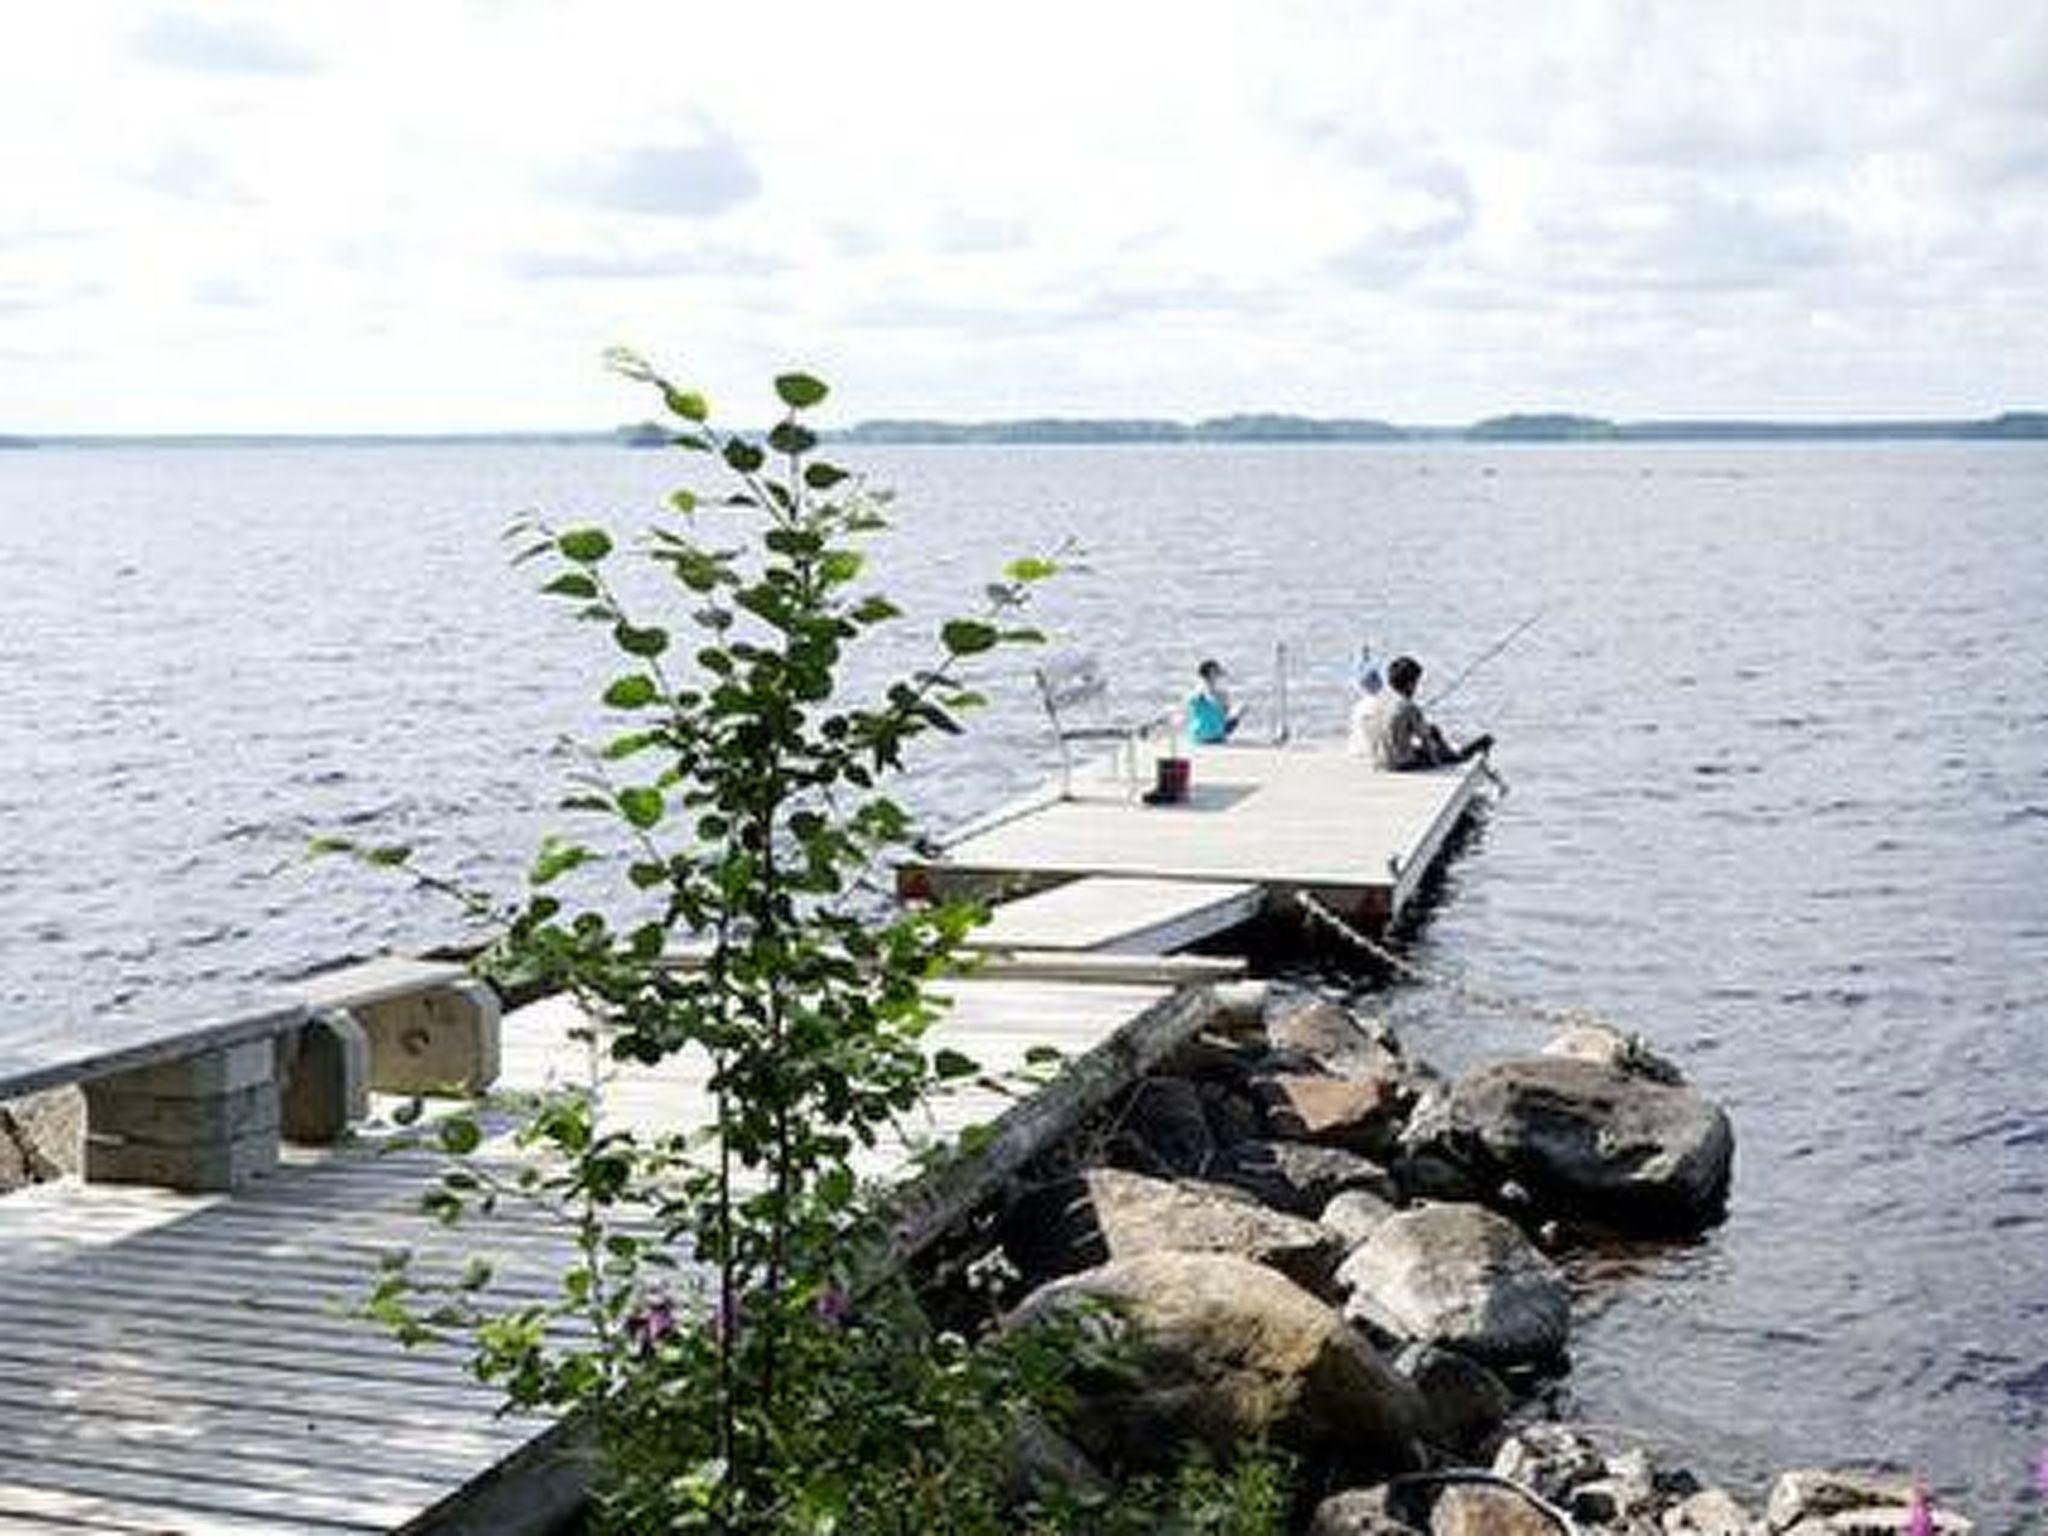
1075 693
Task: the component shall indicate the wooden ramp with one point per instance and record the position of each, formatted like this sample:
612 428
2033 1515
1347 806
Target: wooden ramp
1286 819
1120 915
190 1364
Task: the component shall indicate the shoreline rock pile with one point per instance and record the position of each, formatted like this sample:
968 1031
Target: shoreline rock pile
1299 1235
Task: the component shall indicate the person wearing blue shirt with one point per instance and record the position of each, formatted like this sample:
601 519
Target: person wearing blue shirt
1211 719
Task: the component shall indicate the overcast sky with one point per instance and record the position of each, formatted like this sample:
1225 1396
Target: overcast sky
435 214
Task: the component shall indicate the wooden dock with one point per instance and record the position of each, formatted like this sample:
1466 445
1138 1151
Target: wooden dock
1286 819
192 1364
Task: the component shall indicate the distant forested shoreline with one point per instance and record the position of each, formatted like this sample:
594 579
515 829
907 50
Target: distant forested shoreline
1258 427
1527 428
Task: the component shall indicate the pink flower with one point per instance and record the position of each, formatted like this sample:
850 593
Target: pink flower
1919 1513
652 1326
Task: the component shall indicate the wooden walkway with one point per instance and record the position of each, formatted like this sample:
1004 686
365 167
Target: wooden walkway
190 1364
1287 819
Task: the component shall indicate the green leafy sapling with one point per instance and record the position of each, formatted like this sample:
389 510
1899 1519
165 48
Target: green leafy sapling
712 1307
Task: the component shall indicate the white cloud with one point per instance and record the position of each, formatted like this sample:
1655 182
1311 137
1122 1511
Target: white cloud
240 47
690 181
434 214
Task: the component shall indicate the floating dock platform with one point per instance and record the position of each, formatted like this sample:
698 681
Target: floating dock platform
1282 819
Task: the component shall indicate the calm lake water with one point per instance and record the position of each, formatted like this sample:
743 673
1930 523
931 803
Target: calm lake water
1778 750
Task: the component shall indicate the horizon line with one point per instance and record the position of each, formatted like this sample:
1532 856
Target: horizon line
1272 426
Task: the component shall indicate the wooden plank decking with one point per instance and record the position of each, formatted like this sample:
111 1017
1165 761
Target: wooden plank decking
1286 818
190 1364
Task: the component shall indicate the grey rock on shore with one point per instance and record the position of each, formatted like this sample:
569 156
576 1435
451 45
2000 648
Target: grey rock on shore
1589 1141
1221 1351
1137 1215
1460 1276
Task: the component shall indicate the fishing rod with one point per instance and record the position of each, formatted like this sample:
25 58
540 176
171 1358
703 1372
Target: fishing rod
1282 727
1482 659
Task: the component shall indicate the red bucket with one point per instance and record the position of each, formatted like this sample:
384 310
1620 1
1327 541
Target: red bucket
1171 785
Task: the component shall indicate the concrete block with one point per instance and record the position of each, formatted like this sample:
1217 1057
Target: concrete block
441 1041
222 1165
208 1122
117 1115
326 1079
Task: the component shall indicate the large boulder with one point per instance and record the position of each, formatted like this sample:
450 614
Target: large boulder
1359 1114
1466 1403
1589 1141
1386 1510
1313 1031
41 1137
1139 1215
1295 1177
1354 1215
1217 1350
1481 1509
1460 1276
1166 1118
1629 1053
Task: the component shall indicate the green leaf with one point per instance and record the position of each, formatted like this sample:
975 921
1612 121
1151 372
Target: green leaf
743 456
641 642
1030 569
572 584
788 437
641 806
841 565
836 1187
633 691
555 859
967 637
390 856
822 477
683 501
799 391
686 403
586 546
950 1064
460 1135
